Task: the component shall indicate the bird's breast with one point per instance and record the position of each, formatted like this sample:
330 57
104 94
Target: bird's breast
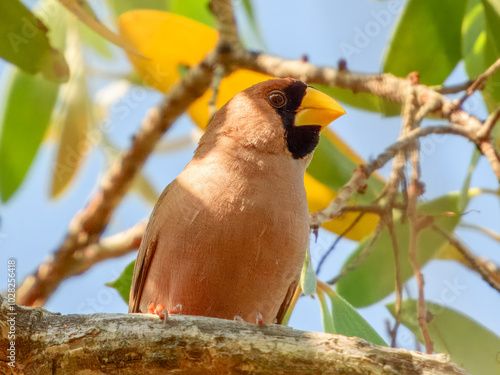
233 244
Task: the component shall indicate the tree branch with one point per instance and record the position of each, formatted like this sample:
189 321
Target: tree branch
111 247
479 82
476 264
359 176
48 343
87 225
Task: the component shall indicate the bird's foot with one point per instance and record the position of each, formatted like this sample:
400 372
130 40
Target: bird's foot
159 310
238 318
259 320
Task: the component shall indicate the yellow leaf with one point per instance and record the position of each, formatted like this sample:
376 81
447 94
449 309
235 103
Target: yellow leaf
319 196
167 41
449 252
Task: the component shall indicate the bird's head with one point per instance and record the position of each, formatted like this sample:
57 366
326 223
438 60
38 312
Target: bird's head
275 116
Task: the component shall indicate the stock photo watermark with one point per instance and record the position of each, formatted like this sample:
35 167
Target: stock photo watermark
12 314
364 35
32 26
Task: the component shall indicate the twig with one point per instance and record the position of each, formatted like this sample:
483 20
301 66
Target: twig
337 240
219 73
412 118
477 265
453 89
399 284
226 25
485 131
356 262
492 155
489 232
479 82
361 173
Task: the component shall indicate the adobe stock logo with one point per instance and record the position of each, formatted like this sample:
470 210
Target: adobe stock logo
380 19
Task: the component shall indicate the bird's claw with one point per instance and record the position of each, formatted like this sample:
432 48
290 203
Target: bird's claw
259 320
159 310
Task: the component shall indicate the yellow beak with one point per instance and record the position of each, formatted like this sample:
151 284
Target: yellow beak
317 108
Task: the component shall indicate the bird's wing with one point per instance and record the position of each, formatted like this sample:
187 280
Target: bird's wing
145 256
286 303
141 269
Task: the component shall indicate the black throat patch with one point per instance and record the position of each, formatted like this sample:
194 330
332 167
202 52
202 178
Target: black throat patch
300 140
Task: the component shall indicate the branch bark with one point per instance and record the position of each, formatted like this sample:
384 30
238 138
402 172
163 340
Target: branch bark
48 343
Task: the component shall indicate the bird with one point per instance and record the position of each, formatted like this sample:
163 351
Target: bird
228 236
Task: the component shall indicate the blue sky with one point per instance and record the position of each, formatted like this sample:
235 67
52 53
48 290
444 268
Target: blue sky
32 225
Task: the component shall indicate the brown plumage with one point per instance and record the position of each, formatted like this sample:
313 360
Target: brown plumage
228 236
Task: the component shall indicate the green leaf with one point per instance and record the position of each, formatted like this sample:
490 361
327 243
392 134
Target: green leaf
197 10
29 101
362 100
326 317
346 320
308 276
333 167
124 282
474 38
375 278
25 43
492 13
480 49
122 6
469 344
491 91
428 31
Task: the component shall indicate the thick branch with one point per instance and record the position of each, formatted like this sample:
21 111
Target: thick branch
382 85
87 225
48 343
226 25
385 86
111 247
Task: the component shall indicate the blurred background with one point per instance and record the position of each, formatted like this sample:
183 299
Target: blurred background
33 224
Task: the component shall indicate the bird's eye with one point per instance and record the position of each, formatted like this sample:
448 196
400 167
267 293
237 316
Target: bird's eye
276 98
